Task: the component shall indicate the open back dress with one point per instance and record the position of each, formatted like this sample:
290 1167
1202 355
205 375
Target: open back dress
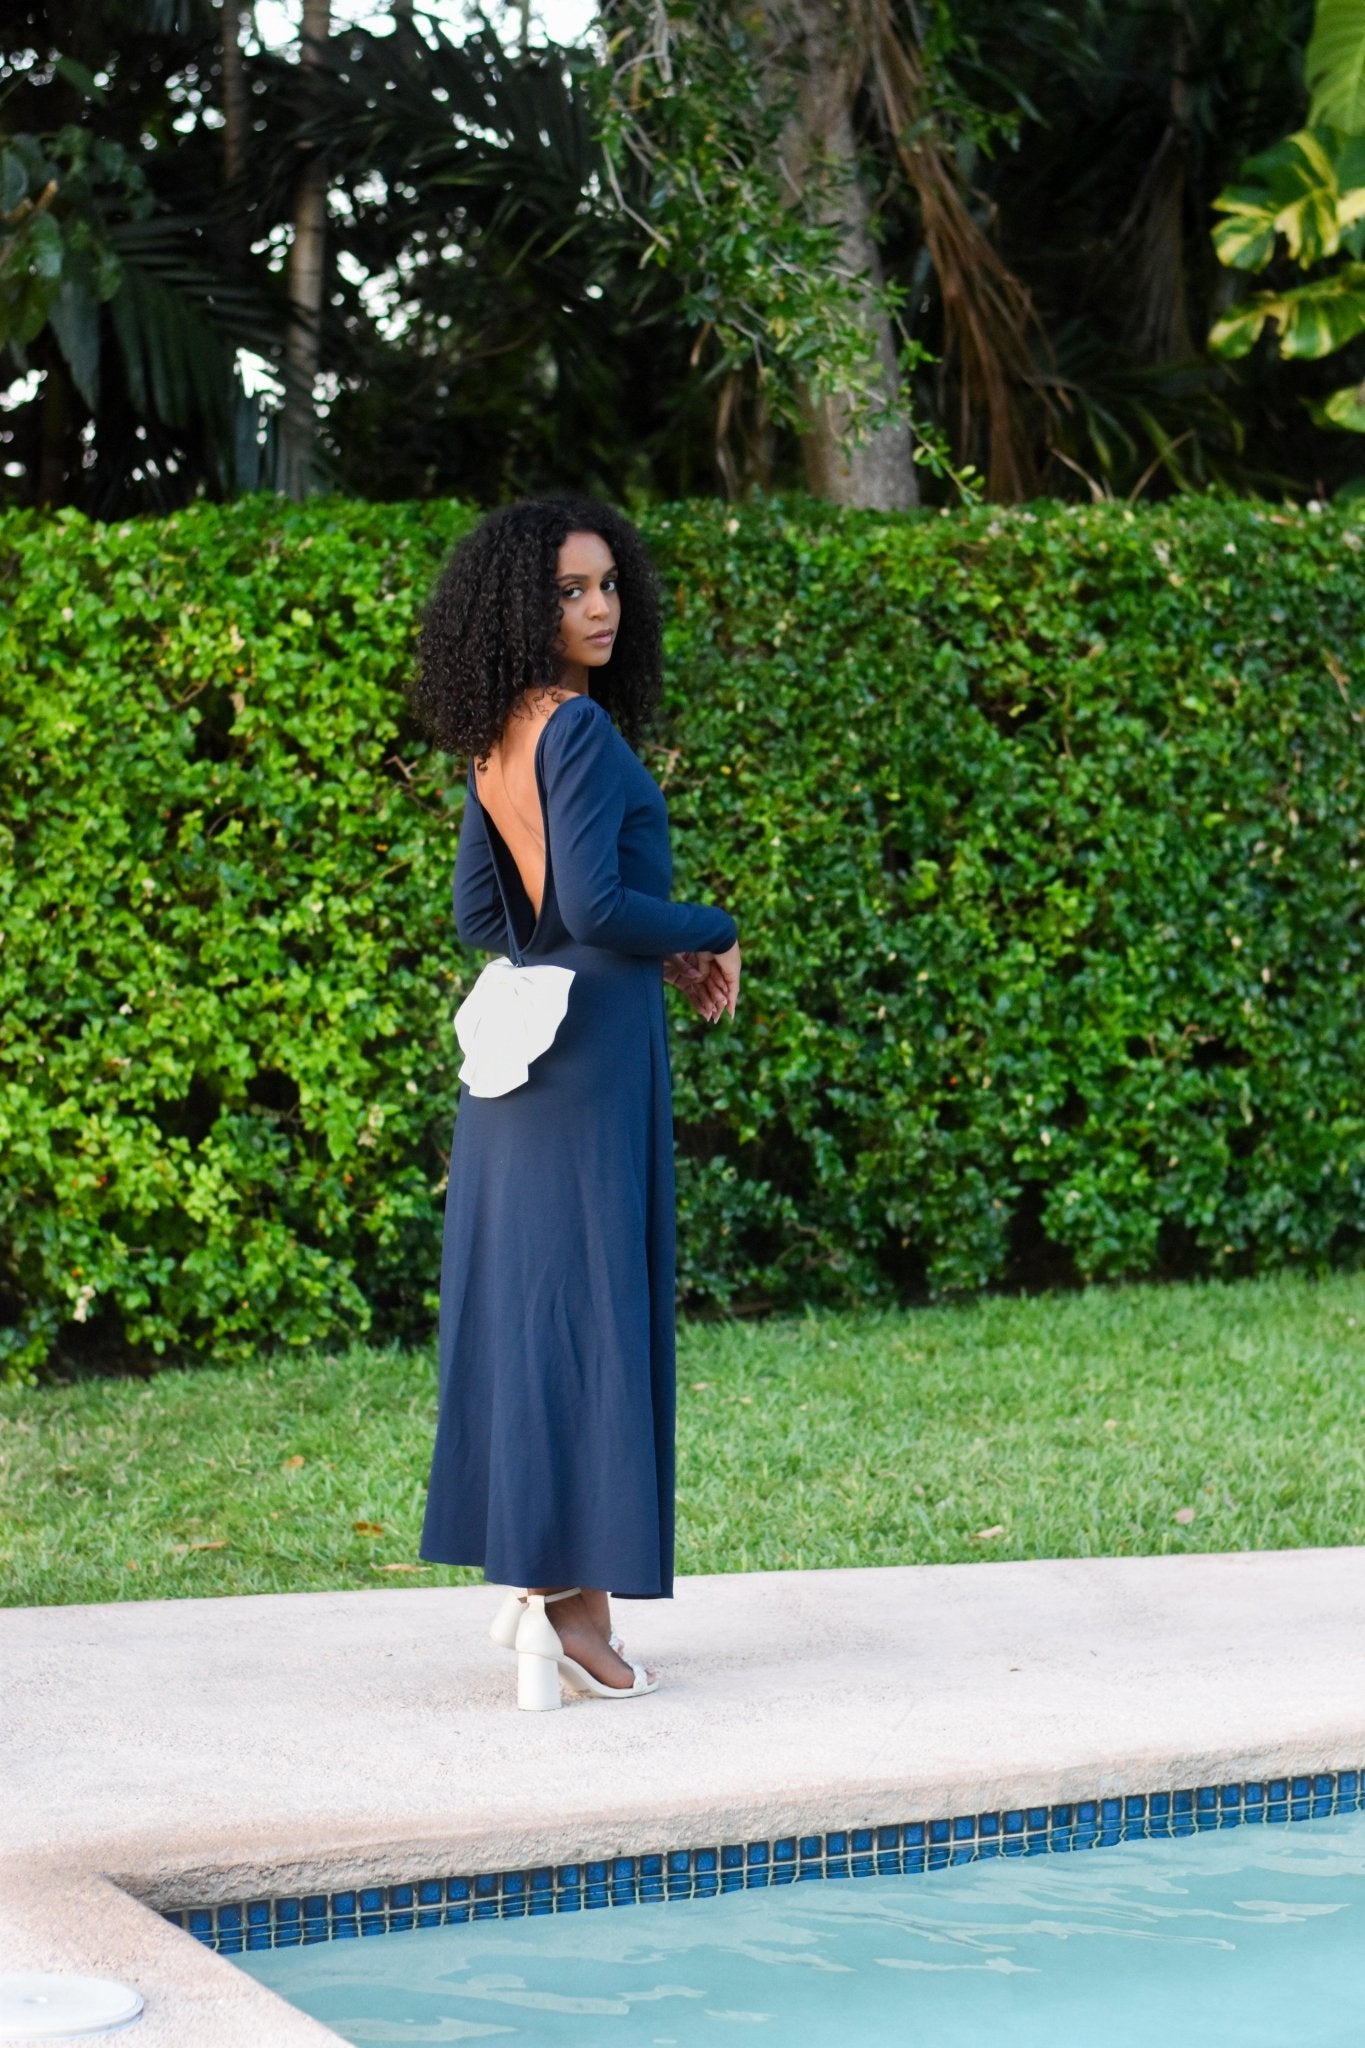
553 1462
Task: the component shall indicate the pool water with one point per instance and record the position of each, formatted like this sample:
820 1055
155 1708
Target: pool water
1253 1936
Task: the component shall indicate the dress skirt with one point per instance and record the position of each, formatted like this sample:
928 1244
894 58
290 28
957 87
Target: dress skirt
554 1455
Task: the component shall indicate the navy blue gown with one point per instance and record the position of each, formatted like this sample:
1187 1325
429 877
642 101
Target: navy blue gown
553 1463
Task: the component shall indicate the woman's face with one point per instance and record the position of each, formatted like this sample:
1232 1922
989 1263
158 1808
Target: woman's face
589 600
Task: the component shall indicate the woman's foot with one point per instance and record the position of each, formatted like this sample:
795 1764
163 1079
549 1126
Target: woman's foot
583 1623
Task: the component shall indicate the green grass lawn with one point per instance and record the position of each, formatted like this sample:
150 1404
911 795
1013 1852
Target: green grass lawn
1060 1425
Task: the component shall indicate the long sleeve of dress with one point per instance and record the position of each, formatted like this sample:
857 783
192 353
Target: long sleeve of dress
585 799
480 918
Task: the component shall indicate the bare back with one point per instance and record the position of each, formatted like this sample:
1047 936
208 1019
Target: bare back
506 783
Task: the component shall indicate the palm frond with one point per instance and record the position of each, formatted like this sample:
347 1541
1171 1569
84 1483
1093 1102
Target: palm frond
990 326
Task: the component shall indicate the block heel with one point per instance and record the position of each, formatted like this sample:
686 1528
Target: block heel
537 1683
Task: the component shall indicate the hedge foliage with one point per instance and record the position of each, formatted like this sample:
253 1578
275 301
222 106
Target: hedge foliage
1043 831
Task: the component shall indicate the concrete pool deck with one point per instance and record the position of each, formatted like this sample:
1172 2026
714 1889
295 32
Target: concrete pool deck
181 1752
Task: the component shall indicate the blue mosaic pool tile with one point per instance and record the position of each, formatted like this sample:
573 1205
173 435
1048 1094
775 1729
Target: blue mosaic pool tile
887 1850
287 1923
344 1925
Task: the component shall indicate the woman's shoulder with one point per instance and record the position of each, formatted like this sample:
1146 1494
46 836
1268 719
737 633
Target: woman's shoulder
576 718
577 703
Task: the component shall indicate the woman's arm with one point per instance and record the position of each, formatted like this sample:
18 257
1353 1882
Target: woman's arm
480 918
586 807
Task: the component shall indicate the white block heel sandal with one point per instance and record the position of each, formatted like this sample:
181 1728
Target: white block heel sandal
541 1662
503 1627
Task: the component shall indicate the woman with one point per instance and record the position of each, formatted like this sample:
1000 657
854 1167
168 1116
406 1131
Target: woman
553 1463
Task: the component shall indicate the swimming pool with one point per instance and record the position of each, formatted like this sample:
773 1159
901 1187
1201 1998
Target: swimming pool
1214 1938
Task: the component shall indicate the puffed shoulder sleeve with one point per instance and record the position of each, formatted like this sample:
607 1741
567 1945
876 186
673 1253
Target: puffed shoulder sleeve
585 799
480 919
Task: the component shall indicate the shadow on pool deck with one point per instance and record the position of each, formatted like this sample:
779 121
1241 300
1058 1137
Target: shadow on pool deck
194 1750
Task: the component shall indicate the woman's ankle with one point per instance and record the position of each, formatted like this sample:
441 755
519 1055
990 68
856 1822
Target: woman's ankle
597 1606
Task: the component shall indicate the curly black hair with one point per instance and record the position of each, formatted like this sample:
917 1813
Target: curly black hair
489 627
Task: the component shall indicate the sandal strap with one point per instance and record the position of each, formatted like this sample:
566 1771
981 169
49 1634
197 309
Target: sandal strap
566 1594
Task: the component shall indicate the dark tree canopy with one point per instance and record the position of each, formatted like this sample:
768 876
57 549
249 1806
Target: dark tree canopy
501 318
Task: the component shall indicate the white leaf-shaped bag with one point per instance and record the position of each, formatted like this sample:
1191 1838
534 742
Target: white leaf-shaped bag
508 1019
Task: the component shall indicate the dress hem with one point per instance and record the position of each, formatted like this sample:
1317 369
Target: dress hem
550 1578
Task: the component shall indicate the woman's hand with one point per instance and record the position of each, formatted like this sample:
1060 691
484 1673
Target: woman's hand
710 981
682 973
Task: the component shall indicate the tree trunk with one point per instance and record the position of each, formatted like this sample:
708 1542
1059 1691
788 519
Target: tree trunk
235 120
880 473
307 271
234 90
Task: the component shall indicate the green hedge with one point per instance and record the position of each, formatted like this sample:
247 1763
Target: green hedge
1043 830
